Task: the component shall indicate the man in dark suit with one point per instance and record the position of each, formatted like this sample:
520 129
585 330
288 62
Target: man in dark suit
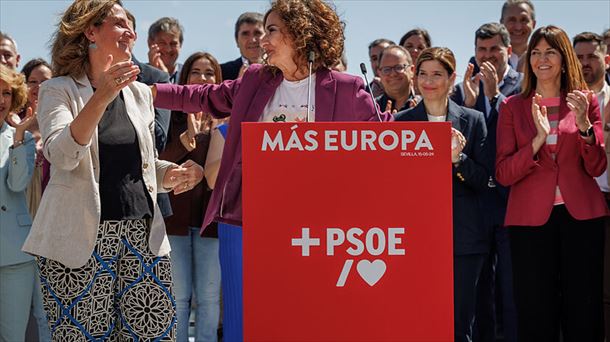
150 75
484 92
248 33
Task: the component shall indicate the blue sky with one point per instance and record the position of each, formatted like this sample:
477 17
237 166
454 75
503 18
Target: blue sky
209 24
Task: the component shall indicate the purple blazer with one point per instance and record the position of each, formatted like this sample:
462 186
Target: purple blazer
339 97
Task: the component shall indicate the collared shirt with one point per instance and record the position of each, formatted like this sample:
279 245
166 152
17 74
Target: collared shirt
603 97
175 77
513 60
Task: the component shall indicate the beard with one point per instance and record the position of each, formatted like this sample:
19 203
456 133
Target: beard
592 76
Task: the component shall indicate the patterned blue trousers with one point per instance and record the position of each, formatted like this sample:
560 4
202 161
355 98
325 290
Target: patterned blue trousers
123 293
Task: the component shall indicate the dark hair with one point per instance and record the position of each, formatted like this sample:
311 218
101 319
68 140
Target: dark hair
590 37
441 54
33 64
248 18
314 26
167 25
188 65
417 32
571 76
606 34
396 47
380 41
490 30
509 3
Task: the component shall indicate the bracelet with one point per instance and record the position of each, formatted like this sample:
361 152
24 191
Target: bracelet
17 143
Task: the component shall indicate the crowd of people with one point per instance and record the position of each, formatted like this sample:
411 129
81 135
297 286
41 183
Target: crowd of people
107 161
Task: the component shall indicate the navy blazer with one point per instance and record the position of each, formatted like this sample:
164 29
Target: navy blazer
496 196
230 70
150 75
469 178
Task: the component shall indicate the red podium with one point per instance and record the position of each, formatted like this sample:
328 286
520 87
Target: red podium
347 232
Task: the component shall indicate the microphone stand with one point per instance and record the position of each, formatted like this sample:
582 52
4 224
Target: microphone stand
363 70
310 59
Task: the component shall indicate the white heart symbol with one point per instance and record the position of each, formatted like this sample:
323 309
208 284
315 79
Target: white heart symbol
371 272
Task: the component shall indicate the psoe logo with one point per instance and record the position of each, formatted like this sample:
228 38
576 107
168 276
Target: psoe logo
346 140
376 242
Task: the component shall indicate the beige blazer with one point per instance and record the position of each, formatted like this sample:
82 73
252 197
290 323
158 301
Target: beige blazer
65 226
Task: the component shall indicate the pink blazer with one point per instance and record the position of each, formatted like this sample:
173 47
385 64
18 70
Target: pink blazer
338 97
532 178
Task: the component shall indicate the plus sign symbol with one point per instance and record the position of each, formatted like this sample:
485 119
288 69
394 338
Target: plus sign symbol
375 243
305 241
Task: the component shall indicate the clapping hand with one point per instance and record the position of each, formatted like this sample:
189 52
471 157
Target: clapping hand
388 107
578 102
154 58
471 86
21 125
194 121
489 77
541 119
458 141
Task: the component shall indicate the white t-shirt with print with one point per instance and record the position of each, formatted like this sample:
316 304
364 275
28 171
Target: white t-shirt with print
289 103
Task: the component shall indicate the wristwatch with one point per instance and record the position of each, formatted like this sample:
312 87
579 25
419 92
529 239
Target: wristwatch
494 100
587 133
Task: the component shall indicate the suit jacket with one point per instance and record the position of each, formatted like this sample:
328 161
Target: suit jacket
533 178
338 97
469 177
16 168
150 75
230 70
65 226
495 198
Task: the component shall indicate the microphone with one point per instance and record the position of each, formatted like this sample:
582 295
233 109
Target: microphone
310 59
363 70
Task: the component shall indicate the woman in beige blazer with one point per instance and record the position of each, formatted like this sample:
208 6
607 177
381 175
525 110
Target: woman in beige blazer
98 234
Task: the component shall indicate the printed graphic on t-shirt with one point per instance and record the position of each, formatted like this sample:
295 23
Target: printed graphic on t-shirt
292 113
289 103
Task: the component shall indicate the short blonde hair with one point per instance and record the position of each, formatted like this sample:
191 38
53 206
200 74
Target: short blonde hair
16 81
70 46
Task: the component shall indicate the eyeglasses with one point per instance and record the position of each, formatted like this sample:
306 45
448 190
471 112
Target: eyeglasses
399 68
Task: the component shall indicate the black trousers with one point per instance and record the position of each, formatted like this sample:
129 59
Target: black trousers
607 275
466 272
557 273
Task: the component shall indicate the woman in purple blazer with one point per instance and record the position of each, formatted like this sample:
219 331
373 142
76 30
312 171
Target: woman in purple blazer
275 92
